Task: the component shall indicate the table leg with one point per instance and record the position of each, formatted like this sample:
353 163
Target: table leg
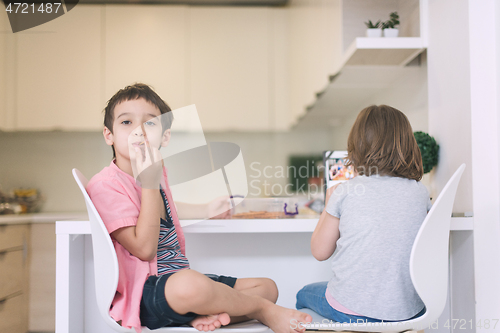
70 283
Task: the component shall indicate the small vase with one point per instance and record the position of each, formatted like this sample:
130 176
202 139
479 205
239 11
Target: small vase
373 32
390 32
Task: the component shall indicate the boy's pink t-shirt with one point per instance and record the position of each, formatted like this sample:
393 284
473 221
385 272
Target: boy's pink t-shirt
117 198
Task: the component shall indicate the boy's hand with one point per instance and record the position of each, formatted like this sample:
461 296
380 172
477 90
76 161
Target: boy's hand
147 166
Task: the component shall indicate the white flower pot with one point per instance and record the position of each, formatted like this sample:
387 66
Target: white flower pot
389 32
373 32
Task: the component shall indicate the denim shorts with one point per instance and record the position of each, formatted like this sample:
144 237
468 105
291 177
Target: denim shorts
313 297
155 311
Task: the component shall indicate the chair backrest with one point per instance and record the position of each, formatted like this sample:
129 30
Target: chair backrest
430 253
105 260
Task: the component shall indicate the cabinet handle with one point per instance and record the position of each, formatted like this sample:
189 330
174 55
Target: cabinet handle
11 249
17 293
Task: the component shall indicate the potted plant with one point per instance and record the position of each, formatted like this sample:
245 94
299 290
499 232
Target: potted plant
390 26
373 29
430 152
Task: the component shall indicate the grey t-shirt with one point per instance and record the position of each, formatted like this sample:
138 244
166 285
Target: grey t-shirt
379 220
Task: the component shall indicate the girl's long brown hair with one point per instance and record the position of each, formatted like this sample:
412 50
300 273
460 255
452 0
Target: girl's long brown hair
381 141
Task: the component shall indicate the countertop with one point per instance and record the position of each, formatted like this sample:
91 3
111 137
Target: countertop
49 217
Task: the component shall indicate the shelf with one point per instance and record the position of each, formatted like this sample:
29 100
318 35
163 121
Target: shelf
384 51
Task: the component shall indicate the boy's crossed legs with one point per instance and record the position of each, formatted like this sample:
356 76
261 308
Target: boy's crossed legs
262 287
190 291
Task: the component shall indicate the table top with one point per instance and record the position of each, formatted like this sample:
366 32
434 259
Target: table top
244 226
49 217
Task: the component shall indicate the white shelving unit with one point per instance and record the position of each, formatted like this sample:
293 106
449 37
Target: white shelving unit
368 66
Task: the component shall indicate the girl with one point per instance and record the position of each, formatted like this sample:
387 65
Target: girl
369 224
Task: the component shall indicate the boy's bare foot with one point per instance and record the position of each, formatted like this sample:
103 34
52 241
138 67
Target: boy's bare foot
211 322
283 320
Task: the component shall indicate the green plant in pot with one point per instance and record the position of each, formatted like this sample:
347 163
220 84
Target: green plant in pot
390 26
373 29
429 150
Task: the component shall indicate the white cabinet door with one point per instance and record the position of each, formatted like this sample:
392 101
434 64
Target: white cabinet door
59 83
7 73
230 67
147 44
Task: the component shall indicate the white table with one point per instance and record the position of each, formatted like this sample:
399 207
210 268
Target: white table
278 249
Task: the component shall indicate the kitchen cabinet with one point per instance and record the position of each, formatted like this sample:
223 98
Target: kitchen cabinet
42 277
59 73
7 73
147 44
230 74
28 271
14 270
229 61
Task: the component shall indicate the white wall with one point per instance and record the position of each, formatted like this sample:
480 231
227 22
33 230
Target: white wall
449 94
484 80
408 94
463 116
449 122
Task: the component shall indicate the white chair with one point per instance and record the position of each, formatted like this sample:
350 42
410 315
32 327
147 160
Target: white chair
106 274
428 269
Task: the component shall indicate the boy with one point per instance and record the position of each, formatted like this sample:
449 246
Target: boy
156 288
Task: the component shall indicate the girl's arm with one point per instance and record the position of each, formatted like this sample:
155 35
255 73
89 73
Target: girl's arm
326 233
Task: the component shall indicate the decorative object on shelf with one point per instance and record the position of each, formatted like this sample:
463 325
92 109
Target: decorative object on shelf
8 205
23 201
374 29
389 27
429 150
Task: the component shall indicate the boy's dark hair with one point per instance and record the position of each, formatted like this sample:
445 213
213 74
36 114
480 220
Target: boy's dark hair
136 91
382 140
